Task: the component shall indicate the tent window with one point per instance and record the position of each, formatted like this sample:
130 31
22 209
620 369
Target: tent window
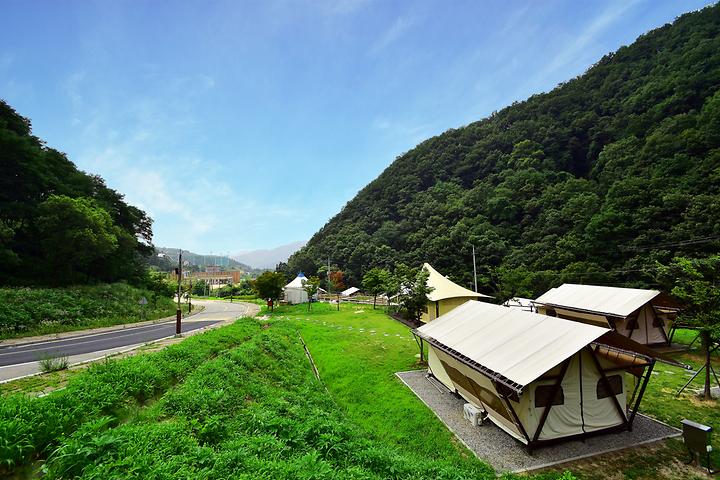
632 323
658 321
550 312
616 386
543 396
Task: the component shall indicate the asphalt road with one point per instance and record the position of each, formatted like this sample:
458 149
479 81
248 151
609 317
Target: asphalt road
82 344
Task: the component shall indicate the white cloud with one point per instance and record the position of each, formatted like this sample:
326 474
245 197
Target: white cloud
573 52
400 26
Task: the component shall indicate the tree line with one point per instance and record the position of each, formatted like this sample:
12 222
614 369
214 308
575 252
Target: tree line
59 225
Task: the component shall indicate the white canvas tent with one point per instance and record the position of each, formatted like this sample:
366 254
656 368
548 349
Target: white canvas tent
445 295
294 291
541 379
642 315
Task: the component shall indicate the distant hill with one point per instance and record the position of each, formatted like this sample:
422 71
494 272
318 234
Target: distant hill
593 182
269 258
203 260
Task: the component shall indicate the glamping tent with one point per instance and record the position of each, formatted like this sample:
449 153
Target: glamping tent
445 295
541 379
294 291
641 315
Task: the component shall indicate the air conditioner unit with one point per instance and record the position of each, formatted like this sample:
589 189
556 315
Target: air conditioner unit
473 414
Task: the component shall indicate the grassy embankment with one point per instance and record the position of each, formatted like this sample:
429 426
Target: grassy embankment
237 402
38 311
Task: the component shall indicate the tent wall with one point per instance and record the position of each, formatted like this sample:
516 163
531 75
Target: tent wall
295 295
651 328
479 391
441 307
436 368
581 411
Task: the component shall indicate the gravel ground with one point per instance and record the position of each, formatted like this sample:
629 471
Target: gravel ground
505 453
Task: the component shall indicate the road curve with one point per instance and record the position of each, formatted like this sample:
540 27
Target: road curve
22 359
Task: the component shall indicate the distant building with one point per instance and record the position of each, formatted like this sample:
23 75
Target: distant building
350 292
214 279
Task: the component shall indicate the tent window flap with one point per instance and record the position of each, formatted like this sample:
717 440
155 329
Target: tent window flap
544 396
616 386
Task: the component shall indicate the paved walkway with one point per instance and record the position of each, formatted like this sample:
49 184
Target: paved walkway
504 453
20 359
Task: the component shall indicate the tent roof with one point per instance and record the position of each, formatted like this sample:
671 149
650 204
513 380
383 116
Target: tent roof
615 301
517 345
349 291
297 281
444 288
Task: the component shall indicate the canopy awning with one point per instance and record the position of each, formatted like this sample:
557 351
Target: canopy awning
444 288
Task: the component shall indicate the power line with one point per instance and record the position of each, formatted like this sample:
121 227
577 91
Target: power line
680 243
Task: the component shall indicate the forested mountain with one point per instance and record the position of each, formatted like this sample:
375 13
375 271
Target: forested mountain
59 225
594 181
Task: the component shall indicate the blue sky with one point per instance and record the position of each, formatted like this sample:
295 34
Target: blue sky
239 125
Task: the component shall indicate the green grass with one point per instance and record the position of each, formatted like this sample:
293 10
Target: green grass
250 411
357 355
39 311
32 427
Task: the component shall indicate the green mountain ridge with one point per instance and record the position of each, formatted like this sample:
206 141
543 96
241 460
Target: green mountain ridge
593 182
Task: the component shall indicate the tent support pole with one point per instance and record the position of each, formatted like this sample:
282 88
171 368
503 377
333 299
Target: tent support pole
556 389
606 382
516 419
640 395
419 342
635 390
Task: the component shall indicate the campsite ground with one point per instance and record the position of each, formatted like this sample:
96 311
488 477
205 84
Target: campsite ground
357 351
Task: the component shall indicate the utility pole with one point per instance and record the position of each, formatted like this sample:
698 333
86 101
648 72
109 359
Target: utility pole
190 297
474 269
178 313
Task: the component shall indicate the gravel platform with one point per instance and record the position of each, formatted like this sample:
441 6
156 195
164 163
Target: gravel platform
506 454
